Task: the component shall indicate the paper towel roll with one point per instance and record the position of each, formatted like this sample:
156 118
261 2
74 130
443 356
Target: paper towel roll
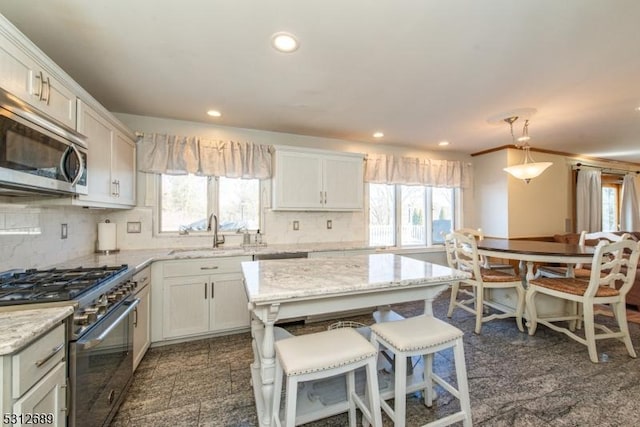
106 236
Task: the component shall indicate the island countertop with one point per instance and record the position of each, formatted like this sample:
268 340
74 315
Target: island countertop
273 280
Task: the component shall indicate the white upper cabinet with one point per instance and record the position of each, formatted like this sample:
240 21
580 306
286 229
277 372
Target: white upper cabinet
110 163
24 77
317 180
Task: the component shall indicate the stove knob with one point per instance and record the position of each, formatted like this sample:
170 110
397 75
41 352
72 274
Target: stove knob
114 297
91 313
81 319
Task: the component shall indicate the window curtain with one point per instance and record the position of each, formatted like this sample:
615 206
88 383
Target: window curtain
589 201
180 155
629 215
389 169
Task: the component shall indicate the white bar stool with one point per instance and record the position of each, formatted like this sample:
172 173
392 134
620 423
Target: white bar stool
321 355
423 336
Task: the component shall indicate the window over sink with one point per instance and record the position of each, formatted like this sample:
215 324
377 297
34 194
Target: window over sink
187 201
403 215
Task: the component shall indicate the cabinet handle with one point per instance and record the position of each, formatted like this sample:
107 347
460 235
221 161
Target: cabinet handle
321 197
135 317
214 267
40 78
205 291
117 188
325 197
49 356
48 90
212 290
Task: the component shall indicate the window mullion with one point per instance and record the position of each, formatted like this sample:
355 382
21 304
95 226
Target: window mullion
398 215
428 210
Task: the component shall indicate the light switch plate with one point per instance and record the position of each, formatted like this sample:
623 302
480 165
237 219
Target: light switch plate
329 224
63 231
296 225
134 227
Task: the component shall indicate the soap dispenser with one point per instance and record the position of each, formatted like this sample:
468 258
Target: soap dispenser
258 238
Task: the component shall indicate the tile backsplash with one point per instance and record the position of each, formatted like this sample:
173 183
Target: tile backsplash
31 238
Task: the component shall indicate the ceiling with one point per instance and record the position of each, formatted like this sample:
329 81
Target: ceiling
421 71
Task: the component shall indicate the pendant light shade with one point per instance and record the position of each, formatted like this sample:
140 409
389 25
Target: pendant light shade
529 169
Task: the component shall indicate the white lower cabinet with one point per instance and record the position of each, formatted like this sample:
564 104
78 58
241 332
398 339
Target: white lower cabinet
198 297
34 382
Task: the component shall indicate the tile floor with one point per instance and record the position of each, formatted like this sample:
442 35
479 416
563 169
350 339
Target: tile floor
514 380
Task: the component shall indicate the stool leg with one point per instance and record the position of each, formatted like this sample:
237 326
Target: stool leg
290 405
427 360
351 390
277 392
463 387
400 404
373 394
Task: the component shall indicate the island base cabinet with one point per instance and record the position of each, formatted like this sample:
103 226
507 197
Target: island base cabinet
197 304
45 399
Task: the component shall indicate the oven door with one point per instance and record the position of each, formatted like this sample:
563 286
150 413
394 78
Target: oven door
101 367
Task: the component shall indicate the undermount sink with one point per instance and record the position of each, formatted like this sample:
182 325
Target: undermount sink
204 250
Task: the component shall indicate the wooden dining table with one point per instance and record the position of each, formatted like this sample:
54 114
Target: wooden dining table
529 252
293 288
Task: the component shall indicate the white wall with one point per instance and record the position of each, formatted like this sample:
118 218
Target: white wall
347 226
491 193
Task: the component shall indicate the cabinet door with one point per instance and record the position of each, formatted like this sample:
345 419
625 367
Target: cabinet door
141 326
123 167
229 303
16 69
46 397
99 135
297 181
343 182
185 306
56 100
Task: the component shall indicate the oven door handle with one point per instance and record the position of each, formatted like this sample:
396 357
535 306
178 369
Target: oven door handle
96 341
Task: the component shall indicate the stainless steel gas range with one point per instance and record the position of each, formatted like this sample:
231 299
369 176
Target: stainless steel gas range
100 332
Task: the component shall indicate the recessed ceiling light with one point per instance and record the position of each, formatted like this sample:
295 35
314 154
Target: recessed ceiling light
443 143
284 42
214 113
378 134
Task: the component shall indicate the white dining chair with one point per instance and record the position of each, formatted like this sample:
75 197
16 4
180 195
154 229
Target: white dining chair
462 254
613 263
479 235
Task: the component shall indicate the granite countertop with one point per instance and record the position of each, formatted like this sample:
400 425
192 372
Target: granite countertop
20 328
140 258
279 280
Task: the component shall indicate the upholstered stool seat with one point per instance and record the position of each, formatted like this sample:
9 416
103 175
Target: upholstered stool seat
423 336
321 355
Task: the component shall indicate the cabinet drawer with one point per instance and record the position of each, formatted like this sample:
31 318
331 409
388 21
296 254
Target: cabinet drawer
204 266
34 361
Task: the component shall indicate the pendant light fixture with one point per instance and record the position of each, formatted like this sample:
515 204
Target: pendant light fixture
529 169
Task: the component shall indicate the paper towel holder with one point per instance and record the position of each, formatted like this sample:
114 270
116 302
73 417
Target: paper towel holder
110 250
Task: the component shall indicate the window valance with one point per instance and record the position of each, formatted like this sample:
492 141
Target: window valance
180 155
389 169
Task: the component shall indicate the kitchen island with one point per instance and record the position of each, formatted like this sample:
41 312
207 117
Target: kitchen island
288 289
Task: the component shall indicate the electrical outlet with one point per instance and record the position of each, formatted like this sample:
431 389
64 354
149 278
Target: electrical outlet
63 231
296 225
134 227
329 224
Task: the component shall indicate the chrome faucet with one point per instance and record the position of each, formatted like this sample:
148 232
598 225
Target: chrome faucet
217 240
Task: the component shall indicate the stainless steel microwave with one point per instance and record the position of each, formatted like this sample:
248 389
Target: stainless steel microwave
36 154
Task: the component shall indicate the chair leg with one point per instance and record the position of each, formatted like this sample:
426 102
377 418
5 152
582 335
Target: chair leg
520 308
479 308
463 386
620 311
453 299
290 403
351 390
590 331
530 305
400 402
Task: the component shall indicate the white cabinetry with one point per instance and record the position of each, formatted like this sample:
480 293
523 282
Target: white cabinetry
197 297
27 79
35 379
142 316
318 180
110 163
